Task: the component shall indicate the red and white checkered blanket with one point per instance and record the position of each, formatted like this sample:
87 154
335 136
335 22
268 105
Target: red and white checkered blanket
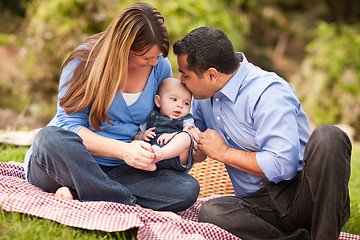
17 195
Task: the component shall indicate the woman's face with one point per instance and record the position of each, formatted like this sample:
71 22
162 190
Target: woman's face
139 59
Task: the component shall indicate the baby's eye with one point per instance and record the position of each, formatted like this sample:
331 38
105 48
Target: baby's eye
173 99
187 103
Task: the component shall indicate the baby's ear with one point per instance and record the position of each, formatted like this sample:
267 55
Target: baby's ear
157 101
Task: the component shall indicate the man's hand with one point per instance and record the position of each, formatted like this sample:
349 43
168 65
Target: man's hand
212 144
198 155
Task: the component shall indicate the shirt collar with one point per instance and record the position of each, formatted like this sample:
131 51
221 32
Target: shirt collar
232 87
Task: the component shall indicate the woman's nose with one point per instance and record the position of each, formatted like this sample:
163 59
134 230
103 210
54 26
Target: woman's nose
153 61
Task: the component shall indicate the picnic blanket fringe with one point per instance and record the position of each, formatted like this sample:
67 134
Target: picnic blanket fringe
17 195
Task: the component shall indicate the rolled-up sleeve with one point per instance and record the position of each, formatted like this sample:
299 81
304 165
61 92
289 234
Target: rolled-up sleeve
277 133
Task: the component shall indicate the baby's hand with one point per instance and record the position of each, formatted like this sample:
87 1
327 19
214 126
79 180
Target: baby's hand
149 134
165 138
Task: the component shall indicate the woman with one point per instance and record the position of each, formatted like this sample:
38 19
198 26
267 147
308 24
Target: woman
106 91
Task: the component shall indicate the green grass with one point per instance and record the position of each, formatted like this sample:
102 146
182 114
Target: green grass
353 225
22 226
16 226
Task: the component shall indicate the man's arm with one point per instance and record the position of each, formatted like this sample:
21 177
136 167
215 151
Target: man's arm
212 144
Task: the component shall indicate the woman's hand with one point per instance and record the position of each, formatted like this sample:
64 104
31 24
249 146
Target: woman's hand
139 154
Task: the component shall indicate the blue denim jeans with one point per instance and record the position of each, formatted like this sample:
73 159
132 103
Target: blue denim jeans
313 205
60 158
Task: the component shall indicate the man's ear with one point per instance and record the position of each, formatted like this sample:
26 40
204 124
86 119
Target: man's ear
157 101
212 74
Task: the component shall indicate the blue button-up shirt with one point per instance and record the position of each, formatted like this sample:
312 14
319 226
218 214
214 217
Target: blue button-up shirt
257 111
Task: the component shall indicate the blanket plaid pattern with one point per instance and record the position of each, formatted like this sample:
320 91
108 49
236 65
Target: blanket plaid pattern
17 195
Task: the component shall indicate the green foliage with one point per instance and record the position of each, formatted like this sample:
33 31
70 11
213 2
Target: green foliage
55 28
183 16
330 78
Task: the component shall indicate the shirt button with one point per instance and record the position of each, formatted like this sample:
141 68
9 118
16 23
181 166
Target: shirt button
228 138
261 183
218 118
217 99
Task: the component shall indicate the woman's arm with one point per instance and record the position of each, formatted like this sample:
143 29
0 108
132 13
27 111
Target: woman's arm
137 154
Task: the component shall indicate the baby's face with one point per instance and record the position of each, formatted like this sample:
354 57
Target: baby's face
175 101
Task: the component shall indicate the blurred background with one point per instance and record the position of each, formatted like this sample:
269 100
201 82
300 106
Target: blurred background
313 44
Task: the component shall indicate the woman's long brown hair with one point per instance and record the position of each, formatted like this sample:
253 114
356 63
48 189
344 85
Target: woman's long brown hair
102 72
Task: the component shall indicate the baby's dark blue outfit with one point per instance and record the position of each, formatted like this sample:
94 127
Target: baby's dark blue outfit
163 125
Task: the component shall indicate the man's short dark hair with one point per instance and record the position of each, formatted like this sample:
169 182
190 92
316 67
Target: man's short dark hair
207 47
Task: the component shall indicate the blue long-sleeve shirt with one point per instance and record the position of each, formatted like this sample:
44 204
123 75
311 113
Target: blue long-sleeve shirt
126 119
257 111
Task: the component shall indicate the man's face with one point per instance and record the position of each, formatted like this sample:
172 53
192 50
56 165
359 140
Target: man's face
199 87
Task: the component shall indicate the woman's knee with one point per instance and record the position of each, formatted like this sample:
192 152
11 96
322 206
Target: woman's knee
190 188
45 137
51 138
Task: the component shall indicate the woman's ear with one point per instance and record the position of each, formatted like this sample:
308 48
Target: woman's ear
157 101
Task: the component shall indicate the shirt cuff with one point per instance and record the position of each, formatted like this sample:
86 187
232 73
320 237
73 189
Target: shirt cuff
267 164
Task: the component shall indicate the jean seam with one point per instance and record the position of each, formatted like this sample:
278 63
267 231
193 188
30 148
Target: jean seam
50 173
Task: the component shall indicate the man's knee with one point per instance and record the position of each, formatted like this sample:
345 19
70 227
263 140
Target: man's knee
208 212
330 135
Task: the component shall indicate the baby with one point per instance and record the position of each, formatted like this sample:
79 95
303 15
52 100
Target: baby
166 126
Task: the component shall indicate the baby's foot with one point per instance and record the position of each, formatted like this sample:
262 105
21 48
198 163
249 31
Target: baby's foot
164 213
64 193
169 214
158 152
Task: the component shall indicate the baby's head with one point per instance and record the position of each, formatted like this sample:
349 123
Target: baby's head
173 99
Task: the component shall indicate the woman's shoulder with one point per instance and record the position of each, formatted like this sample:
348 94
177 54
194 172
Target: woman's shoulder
163 62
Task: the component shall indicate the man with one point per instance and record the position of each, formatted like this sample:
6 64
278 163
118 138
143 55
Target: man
288 184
